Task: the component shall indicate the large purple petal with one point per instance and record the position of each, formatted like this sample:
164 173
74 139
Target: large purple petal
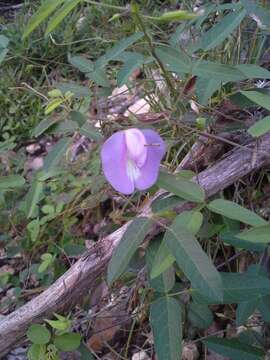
113 156
155 153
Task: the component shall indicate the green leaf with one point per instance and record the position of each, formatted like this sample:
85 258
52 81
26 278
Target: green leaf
258 98
166 323
82 64
219 32
264 308
67 342
237 288
127 69
11 182
230 238
177 15
261 127
48 209
245 310
4 41
132 238
259 13
91 132
65 127
163 204
252 71
257 235
32 198
45 10
85 353
43 126
36 352
162 261
166 280
78 117
99 77
67 7
33 227
236 212
234 349
205 88
79 91
217 71
181 187
56 154
174 60
38 334
61 325
3 53
54 93
52 105
117 49
191 221
193 261
47 260
199 315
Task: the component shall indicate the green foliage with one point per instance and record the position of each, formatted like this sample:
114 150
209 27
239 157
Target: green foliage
260 127
47 344
258 98
48 85
219 32
236 288
166 322
193 261
166 280
191 221
46 9
259 234
234 349
67 342
132 238
235 212
38 334
59 16
181 187
200 316
4 41
11 182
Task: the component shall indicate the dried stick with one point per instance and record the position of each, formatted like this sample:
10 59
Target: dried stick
81 278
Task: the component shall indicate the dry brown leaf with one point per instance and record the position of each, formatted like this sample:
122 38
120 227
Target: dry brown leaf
98 340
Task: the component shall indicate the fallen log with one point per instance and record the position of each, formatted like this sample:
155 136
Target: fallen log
82 277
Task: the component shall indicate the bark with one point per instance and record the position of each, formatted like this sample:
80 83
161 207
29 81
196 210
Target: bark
82 277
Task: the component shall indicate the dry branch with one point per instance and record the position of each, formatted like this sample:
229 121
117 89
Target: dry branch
82 277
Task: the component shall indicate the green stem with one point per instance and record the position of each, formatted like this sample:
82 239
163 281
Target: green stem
119 8
141 25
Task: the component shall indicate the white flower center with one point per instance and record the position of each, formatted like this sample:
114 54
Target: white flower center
133 171
136 153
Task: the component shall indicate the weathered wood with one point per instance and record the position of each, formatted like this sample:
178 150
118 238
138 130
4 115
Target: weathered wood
81 278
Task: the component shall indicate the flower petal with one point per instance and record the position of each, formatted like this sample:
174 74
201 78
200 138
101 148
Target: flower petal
135 142
113 156
156 149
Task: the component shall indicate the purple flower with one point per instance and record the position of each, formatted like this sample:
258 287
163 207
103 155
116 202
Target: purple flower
131 158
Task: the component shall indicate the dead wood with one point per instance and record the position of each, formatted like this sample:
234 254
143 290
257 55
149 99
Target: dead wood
82 277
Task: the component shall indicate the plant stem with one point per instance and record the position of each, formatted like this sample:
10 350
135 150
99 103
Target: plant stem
115 7
167 78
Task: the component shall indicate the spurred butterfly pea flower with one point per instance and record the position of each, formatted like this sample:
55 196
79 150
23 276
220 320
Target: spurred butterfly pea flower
131 159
